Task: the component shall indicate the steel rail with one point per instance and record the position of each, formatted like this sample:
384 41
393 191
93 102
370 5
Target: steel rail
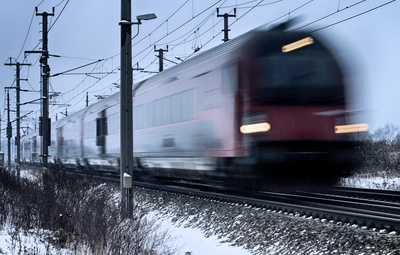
347 210
364 207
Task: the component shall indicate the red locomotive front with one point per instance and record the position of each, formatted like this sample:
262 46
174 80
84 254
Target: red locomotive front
293 114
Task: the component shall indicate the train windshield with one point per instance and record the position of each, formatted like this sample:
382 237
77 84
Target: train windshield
308 75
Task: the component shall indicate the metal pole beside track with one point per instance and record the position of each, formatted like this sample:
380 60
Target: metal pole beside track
18 90
44 128
126 162
9 131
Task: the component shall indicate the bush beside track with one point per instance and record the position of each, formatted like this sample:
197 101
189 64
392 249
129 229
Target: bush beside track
81 214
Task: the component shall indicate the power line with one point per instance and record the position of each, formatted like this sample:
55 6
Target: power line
27 33
145 37
352 17
156 42
159 39
58 15
236 5
333 13
274 20
258 5
59 4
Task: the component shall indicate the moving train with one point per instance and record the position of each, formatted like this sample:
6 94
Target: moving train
265 107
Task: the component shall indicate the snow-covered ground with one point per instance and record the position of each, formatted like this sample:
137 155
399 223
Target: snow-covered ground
33 242
191 241
371 182
188 241
193 234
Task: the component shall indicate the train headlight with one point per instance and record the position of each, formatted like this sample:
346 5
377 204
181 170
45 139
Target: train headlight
351 128
255 128
298 44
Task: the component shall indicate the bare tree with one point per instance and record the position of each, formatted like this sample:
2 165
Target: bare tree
381 150
387 133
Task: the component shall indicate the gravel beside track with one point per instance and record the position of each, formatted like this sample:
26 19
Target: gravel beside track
267 232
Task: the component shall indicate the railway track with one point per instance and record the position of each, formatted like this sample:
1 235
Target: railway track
368 212
365 207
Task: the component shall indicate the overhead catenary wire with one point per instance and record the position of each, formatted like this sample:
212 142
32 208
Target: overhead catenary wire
176 29
168 32
153 32
329 15
58 16
354 16
27 33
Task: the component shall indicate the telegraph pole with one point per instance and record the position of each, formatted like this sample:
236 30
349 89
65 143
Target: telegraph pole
44 121
126 108
18 89
1 141
9 131
161 58
126 95
226 16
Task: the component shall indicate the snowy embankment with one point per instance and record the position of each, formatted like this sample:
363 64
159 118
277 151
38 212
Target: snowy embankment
371 182
260 231
30 242
198 226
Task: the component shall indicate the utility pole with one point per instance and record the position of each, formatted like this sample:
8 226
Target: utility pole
44 121
18 89
87 99
9 131
161 58
137 68
0 137
126 108
226 16
126 96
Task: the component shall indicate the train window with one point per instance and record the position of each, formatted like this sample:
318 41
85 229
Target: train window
86 130
150 114
101 131
188 105
230 78
89 129
92 129
306 76
135 118
176 109
34 143
158 112
166 110
300 69
113 123
212 99
142 116
139 119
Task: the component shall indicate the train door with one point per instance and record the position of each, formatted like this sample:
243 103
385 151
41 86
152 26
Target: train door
229 105
101 132
35 155
60 142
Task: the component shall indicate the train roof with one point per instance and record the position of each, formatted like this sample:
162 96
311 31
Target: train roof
219 50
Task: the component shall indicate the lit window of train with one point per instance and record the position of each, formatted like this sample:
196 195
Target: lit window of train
172 109
113 123
90 129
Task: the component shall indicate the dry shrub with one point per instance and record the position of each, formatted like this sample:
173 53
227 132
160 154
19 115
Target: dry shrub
81 214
